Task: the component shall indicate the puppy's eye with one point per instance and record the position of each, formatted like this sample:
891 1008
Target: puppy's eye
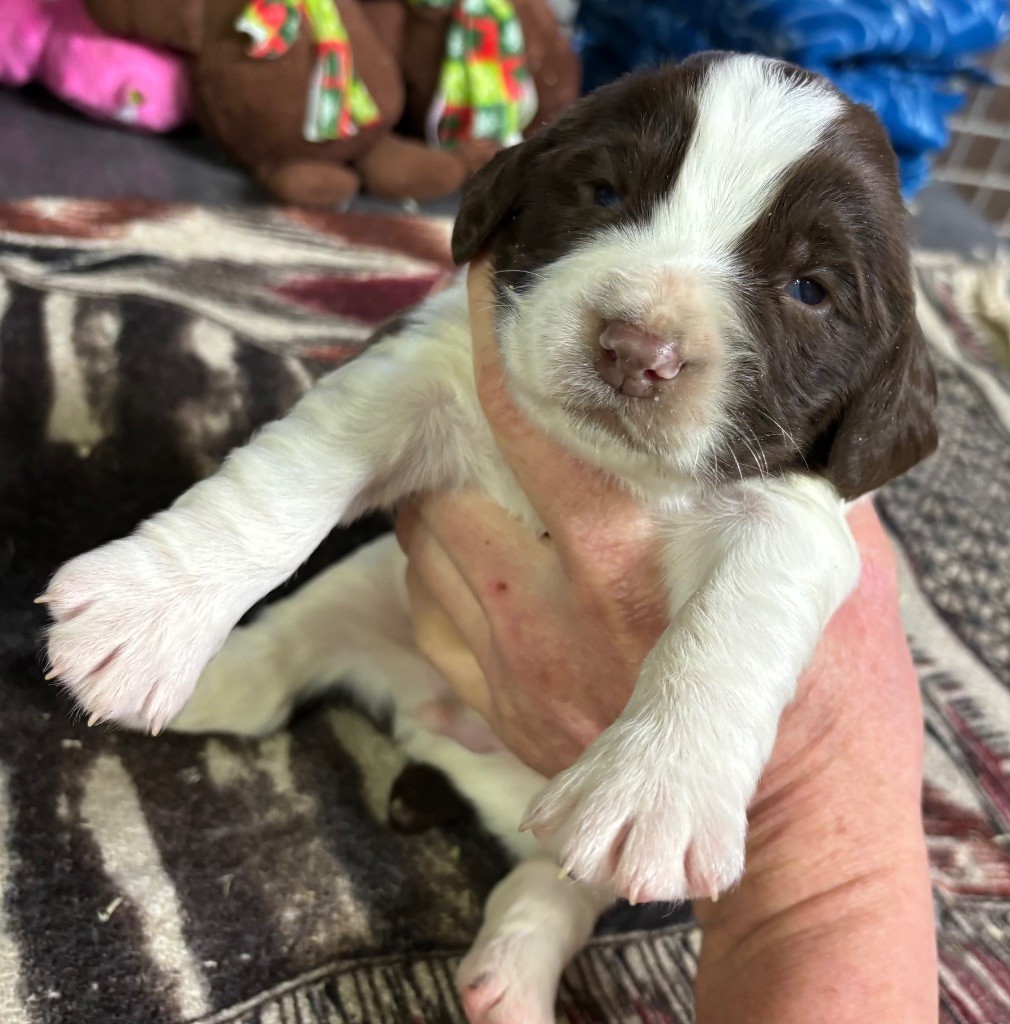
606 196
806 290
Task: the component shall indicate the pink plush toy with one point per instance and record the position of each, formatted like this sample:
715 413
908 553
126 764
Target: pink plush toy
56 43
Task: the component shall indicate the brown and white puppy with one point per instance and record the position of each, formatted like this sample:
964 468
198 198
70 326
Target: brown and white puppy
702 288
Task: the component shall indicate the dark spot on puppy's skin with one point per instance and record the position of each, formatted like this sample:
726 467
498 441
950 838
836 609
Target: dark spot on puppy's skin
501 586
422 797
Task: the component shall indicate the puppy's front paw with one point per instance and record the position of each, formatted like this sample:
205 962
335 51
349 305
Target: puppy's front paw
651 826
132 631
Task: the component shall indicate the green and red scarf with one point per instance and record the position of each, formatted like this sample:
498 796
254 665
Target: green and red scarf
338 102
485 90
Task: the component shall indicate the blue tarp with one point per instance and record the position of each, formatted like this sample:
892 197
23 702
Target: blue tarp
907 59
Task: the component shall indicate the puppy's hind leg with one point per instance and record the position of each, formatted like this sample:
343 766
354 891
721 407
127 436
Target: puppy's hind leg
535 920
534 923
349 626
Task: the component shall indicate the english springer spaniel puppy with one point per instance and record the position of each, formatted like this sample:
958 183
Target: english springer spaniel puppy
702 287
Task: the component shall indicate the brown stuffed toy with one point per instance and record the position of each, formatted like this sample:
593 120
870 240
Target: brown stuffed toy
261 110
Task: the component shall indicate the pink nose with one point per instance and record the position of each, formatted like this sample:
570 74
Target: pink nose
635 361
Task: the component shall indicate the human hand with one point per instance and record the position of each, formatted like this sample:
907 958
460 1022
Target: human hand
544 637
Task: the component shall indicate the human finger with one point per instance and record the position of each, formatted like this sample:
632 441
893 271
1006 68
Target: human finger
433 574
443 646
585 511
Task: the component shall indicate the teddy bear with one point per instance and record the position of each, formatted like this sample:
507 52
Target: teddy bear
321 98
56 43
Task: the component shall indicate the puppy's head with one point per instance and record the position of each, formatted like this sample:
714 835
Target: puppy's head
702 272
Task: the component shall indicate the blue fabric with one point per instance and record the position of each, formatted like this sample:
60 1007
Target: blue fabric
907 59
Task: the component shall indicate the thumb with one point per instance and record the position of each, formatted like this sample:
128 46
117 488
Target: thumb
574 501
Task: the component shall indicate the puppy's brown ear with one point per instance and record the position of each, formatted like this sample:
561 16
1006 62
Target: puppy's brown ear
488 197
889 426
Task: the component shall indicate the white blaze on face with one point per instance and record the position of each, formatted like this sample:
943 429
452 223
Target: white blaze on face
674 272
753 124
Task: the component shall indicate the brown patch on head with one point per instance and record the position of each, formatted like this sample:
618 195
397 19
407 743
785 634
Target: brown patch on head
535 202
843 387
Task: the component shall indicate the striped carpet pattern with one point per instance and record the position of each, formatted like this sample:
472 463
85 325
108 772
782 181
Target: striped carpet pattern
212 879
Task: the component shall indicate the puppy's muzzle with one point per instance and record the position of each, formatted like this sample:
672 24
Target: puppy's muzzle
637 362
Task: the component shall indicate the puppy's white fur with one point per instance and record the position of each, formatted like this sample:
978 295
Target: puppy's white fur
656 808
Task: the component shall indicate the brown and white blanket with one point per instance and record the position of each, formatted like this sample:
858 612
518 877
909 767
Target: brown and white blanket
215 879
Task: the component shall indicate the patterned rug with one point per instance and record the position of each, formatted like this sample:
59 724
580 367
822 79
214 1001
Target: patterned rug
213 879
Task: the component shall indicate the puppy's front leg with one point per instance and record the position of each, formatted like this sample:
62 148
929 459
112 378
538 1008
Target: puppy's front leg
137 619
657 806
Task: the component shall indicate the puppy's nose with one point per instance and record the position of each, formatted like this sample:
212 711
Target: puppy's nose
635 361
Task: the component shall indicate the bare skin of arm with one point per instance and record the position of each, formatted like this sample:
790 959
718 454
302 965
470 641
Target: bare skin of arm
833 919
